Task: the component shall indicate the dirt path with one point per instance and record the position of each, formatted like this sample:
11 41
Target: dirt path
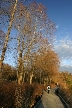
50 100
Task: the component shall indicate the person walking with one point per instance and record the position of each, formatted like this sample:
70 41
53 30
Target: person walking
48 88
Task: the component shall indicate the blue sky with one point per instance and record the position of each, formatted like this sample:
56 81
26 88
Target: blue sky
60 12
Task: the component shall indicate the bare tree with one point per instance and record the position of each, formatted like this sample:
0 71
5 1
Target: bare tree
35 31
33 25
7 35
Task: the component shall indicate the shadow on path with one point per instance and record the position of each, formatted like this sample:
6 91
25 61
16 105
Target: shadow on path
39 104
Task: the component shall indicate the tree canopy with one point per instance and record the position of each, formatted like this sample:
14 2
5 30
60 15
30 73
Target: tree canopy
35 34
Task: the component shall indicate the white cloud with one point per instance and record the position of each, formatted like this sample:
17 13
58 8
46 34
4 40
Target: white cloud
64 48
56 26
66 68
64 51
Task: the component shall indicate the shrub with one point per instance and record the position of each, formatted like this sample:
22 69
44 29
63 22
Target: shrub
8 98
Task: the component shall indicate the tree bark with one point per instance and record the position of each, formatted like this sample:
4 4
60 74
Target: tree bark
31 76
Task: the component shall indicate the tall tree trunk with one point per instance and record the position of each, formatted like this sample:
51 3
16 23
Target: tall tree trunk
31 76
7 36
20 74
23 77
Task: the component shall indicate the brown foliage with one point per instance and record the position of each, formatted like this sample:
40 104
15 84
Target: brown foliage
9 73
66 93
48 62
65 81
7 94
29 92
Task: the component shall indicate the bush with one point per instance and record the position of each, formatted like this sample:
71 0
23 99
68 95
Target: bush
28 94
7 94
66 93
